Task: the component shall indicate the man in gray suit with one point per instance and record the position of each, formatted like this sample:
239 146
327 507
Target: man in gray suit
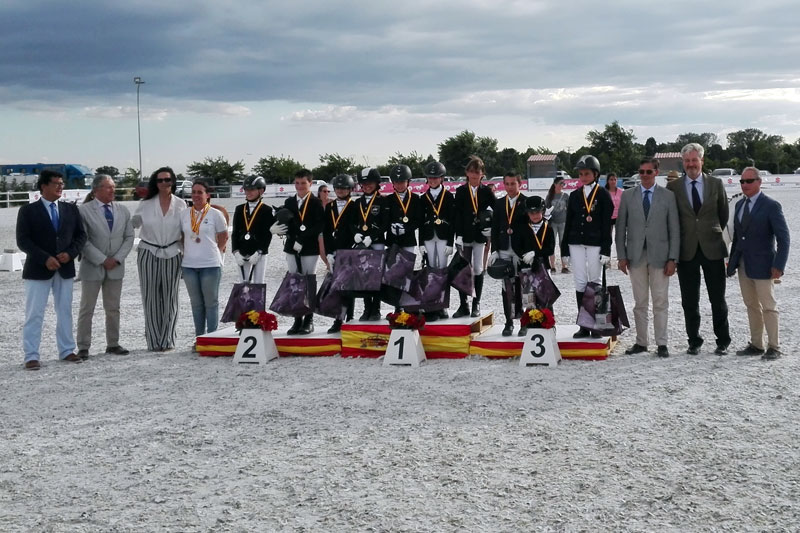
648 244
110 240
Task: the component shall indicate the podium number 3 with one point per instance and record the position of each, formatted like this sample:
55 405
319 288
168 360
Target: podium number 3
399 343
539 348
248 353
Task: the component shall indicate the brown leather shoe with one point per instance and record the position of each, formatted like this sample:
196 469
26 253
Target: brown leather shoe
33 365
72 358
117 350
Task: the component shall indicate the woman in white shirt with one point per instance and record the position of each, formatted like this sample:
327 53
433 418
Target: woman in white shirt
205 234
159 258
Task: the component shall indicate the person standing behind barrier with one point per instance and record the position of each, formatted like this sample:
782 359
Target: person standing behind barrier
616 195
648 244
587 231
158 219
759 225
703 214
51 235
436 233
508 217
109 234
556 202
205 234
250 236
337 232
302 238
471 200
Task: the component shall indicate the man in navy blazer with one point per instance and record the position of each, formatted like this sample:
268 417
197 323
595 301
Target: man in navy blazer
759 225
51 235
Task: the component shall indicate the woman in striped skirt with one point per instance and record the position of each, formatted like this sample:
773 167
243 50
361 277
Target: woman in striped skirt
159 258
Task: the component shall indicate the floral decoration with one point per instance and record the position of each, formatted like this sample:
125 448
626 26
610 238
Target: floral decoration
257 320
403 320
538 318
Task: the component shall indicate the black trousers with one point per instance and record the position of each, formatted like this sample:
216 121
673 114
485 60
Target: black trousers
689 281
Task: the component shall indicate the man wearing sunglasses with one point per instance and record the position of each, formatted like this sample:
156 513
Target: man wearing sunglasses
648 243
758 225
703 213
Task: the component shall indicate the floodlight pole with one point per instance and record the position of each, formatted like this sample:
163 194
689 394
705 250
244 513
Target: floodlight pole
138 81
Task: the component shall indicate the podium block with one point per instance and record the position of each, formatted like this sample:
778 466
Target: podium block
255 347
11 261
540 348
404 348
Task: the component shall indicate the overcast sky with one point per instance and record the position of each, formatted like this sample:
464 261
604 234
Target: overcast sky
247 79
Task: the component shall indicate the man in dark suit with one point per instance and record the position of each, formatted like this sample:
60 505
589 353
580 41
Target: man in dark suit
51 235
703 213
759 224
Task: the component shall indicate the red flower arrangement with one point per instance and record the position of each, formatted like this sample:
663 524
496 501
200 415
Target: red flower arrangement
537 318
403 320
257 320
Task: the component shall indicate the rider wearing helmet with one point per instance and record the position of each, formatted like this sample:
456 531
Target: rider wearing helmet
436 232
587 230
250 236
337 232
369 224
405 211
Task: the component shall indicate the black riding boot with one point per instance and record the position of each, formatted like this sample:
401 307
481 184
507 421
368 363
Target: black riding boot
375 308
582 331
476 302
298 324
308 325
351 304
462 310
517 297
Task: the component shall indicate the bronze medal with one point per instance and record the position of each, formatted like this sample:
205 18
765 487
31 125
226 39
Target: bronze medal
302 227
197 240
437 221
509 231
405 219
247 236
589 218
364 227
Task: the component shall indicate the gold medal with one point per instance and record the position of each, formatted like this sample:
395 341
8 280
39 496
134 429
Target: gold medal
437 221
364 227
405 219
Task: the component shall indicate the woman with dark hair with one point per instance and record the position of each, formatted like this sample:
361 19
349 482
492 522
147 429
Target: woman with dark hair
158 219
556 202
616 196
205 233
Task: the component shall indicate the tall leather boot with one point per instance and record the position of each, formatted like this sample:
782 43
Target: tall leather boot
582 331
351 304
508 329
298 324
476 302
375 308
308 325
336 327
367 307
517 297
462 310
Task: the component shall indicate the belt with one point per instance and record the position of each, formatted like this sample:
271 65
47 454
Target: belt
160 247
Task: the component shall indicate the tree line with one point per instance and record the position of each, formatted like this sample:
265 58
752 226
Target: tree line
616 148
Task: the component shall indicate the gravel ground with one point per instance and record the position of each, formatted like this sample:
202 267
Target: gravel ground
176 442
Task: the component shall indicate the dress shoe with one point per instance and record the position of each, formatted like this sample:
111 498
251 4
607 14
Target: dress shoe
662 351
83 354
636 348
476 309
750 350
693 349
771 354
72 358
116 350
722 349
33 365
564 270
462 311
581 333
508 330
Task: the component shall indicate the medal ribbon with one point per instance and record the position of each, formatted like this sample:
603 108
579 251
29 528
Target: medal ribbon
474 199
535 236
589 203
364 215
435 208
305 206
408 203
249 223
336 219
510 216
195 222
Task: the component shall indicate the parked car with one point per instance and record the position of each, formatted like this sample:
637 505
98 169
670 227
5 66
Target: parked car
141 190
184 189
724 172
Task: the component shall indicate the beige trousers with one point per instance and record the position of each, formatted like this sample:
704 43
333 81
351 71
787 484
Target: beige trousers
112 290
762 309
650 282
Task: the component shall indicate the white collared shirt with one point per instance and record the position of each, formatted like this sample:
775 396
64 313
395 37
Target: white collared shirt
753 200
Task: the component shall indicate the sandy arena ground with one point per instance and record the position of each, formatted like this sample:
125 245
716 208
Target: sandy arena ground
177 442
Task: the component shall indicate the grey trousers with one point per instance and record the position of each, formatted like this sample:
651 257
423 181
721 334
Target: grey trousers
112 290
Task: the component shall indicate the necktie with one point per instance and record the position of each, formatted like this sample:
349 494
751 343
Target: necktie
54 215
109 216
695 198
746 214
646 203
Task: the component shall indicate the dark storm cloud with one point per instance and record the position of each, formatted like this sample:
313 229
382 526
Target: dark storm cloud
414 54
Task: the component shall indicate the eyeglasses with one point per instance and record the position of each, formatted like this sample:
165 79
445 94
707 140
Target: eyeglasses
164 180
646 171
748 180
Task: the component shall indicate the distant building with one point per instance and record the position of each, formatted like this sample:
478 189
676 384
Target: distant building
669 161
542 166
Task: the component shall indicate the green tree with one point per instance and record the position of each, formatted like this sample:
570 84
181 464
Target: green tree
277 169
111 171
706 140
650 147
614 147
454 153
333 165
218 170
130 178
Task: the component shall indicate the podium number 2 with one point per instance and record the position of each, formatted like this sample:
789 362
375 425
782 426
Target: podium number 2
248 353
399 343
539 349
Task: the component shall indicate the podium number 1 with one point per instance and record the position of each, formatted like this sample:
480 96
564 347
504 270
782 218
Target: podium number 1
539 349
248 353
399 344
